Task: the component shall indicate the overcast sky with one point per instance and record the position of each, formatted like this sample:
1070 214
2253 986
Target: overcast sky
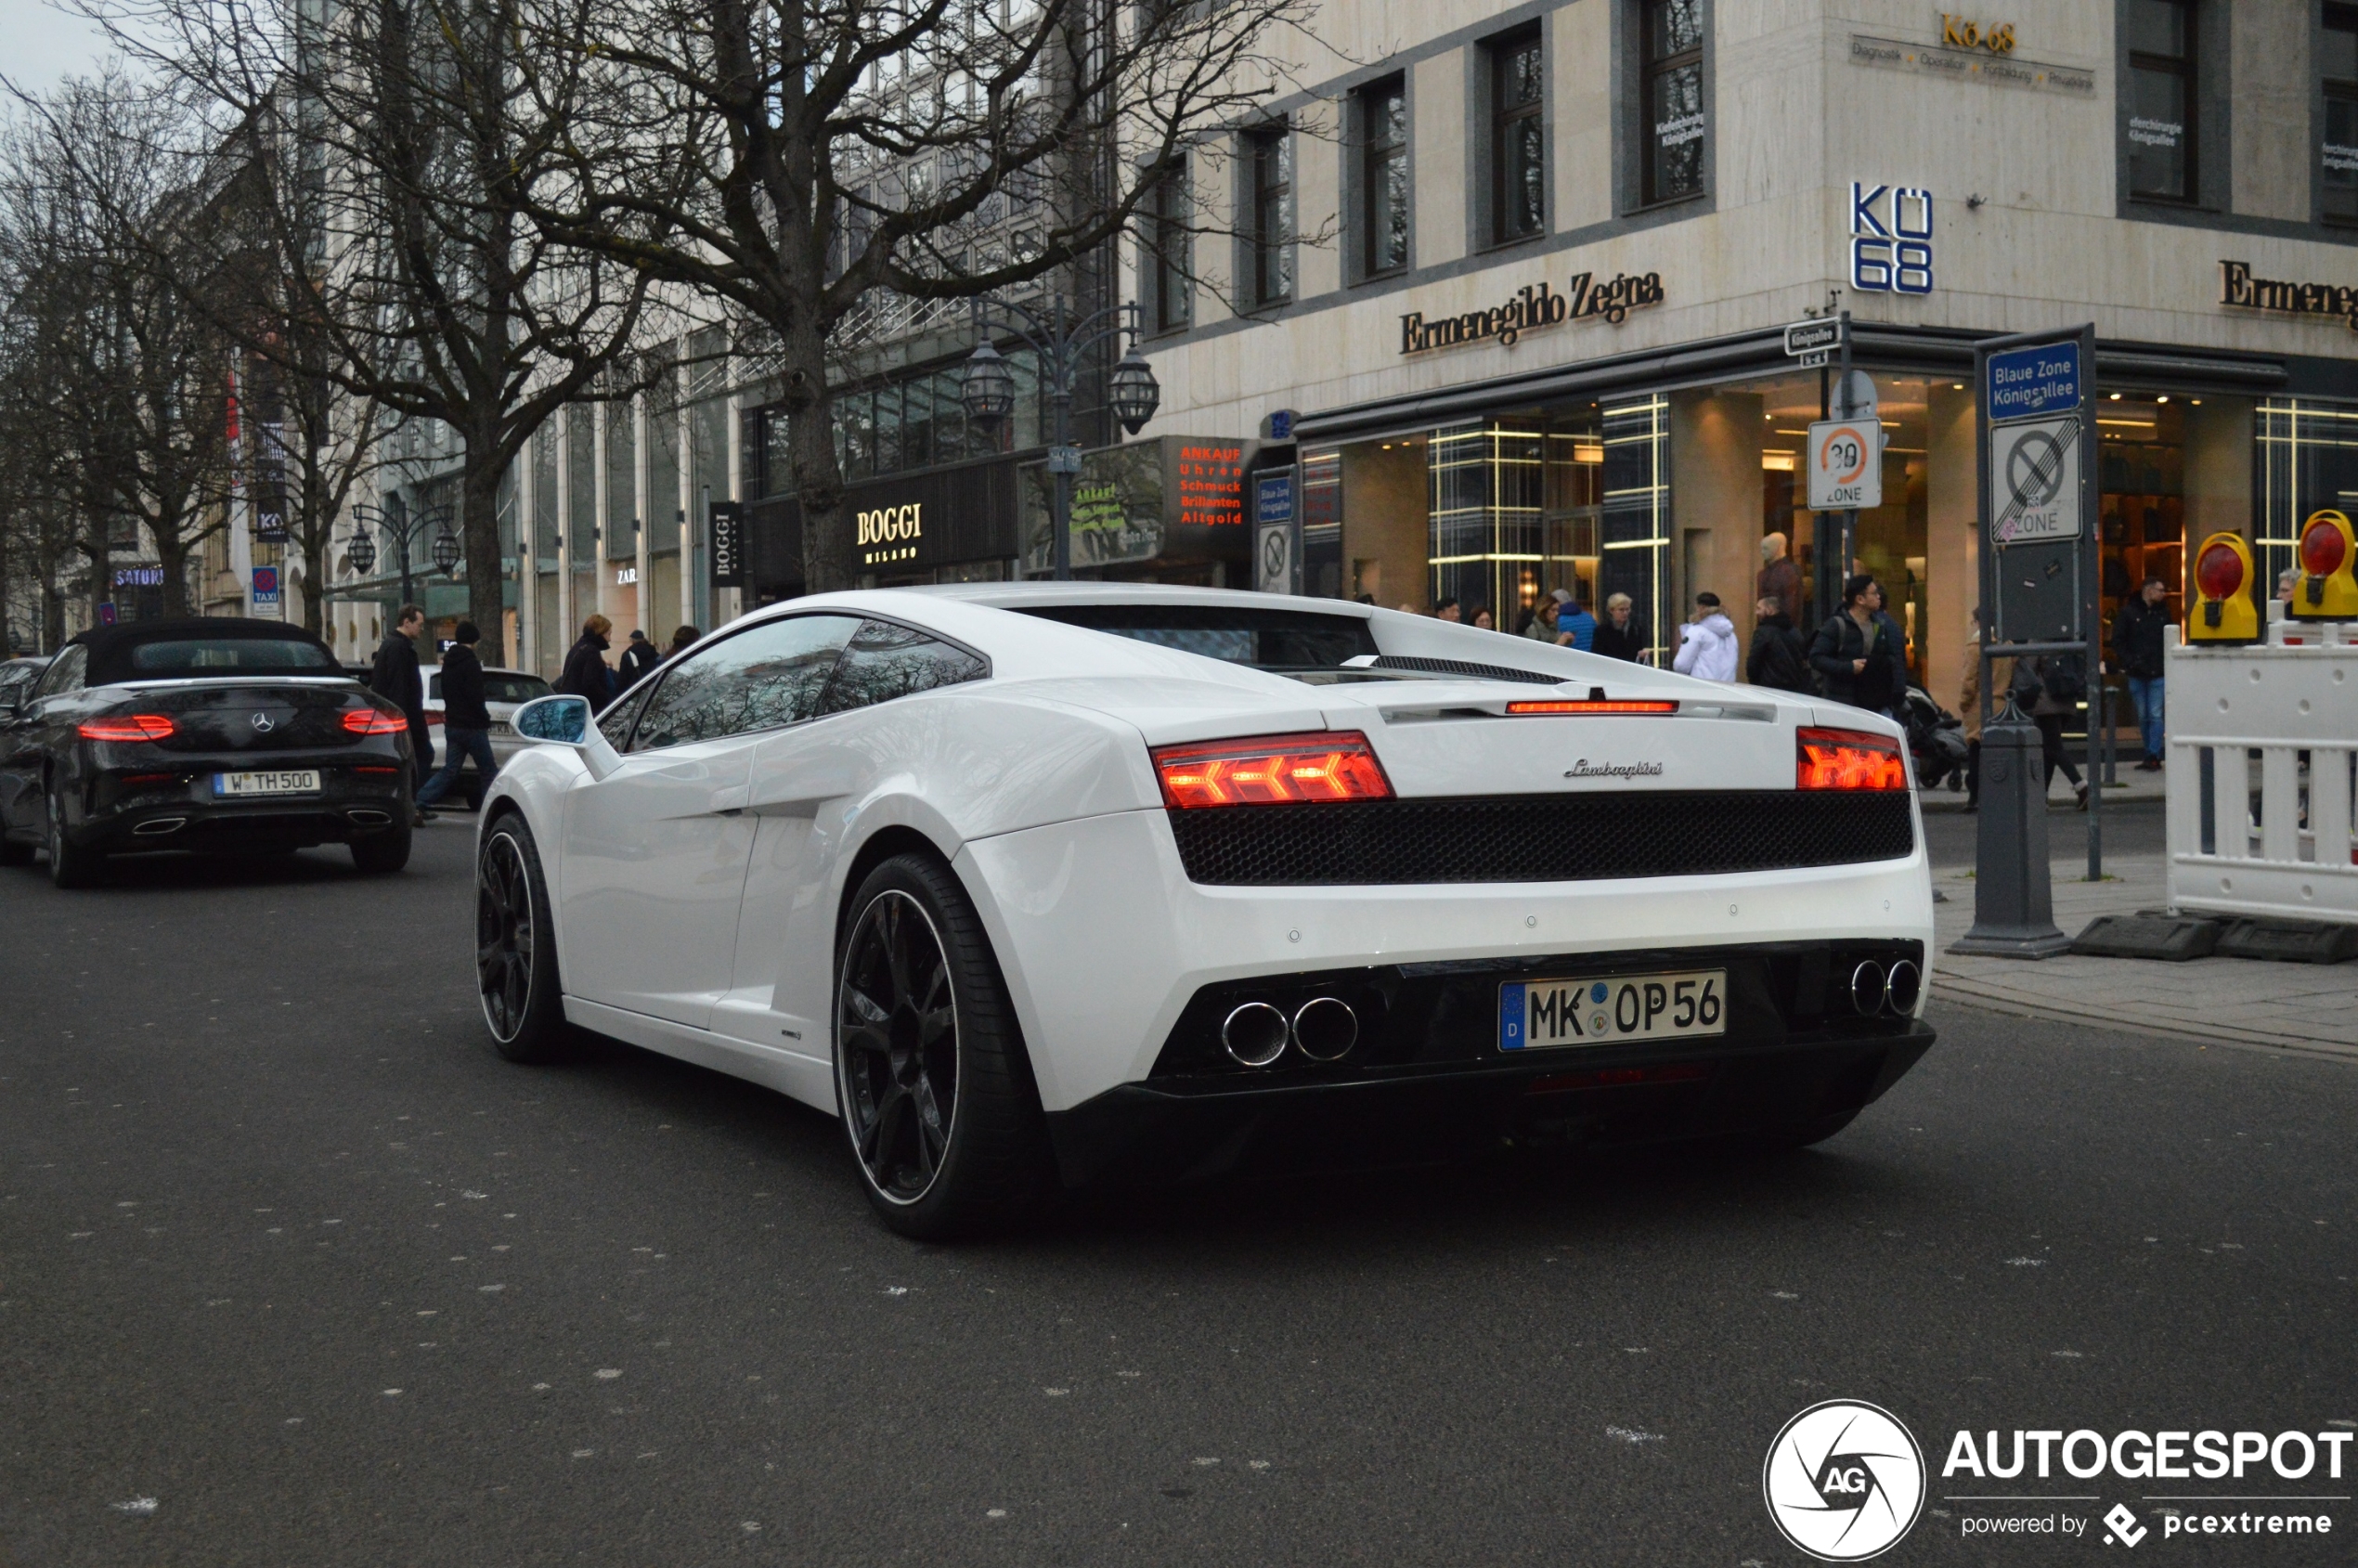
39 44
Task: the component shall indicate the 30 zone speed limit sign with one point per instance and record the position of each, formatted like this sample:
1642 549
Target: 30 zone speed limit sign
1846 465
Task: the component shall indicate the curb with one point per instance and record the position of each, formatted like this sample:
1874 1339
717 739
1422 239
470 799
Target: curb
1951 991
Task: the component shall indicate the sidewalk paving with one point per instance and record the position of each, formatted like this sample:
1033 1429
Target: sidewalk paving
2304 1007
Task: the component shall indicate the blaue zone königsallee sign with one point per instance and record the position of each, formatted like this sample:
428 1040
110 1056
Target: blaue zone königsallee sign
1531 308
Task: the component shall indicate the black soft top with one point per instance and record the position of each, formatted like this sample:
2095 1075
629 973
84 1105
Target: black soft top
113 648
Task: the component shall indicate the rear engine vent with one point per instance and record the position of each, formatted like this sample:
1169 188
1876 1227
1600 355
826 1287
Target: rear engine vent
1542 839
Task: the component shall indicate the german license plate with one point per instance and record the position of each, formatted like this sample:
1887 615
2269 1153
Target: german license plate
286 781
1542 1014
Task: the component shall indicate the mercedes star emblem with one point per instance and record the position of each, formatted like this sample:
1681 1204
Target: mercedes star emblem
262 725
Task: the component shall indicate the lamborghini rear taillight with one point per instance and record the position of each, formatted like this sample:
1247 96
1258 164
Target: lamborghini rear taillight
1270 770
1849 759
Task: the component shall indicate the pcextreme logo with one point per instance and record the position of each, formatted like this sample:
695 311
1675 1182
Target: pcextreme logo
1845 1481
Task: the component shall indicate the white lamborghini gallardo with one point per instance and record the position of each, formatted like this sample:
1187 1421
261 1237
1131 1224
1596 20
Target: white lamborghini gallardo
1077 883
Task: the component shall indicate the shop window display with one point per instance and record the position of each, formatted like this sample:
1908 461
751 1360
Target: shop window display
1517 512
2141 505
2307 460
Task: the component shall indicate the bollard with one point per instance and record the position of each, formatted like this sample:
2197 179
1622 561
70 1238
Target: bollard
2013 909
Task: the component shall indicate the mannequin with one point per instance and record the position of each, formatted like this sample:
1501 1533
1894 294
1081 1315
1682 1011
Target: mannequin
1779 578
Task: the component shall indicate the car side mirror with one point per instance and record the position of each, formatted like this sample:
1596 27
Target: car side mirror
564 720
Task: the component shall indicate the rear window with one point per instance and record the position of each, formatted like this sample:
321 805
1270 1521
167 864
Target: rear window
193 659
1284 640
513 688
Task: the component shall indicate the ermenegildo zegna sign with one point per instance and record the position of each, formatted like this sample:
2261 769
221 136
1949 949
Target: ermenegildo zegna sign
1531 308
2238 288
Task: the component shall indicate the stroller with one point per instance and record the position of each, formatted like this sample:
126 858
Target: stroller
1937 741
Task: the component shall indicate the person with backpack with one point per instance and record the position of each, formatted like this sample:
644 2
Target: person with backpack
2051 688
1859 656
1778 658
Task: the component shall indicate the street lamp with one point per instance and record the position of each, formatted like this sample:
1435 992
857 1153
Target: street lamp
987 387
402 529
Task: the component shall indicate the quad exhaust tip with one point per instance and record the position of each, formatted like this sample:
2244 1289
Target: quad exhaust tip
1324 1029
1868 987
1254 1034
1902 986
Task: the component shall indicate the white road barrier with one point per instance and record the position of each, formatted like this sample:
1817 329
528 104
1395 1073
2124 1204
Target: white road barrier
2263 742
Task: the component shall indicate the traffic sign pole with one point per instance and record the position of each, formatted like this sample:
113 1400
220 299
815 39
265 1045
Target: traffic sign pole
1848 549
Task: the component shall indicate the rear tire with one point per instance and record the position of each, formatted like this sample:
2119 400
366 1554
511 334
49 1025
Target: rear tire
71 865
932 1081
381 854
515 948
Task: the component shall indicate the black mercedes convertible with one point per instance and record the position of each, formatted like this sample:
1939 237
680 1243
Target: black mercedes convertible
215 735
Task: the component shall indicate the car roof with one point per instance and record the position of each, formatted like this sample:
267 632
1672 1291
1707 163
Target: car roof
1037 595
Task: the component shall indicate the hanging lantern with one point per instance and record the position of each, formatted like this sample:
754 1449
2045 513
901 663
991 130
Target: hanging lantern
363 552
1135 392
987 386
445 550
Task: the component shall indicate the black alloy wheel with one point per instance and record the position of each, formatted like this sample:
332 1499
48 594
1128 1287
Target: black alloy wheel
899 1046
71 865
515 956
931 1077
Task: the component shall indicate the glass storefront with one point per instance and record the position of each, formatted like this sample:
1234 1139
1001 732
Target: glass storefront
2307 461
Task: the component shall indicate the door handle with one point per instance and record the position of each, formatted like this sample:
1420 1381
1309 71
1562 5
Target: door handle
730 802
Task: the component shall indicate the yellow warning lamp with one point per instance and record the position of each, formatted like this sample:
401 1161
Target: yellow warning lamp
2223 612
2328 587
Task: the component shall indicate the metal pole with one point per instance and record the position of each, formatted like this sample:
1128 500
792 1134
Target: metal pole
1061 481
1849 515
2091 599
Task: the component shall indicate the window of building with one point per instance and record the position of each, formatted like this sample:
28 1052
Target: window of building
2161 99
1173 253
1518 139
1383 179
1675 123
2338 151
1271 158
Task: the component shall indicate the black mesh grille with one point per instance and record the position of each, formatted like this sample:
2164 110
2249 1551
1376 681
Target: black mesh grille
1541 839
1462 666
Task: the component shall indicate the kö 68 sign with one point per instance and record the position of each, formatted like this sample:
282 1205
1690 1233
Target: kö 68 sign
1890 239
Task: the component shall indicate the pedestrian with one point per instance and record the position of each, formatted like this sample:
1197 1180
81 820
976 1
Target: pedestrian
2287 580
585 674
2057 690
1541 627
1579 627
1447 611
681 640
639 656
1619 635
1707 644
1779 659
394 676
1482 618
466 722
1859 654
1780 576
2136 643
2002 674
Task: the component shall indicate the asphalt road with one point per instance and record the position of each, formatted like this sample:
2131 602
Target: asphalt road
294 1271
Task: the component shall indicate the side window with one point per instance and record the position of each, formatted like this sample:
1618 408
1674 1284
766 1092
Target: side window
761 678
65 674
434 686
885 661
615 723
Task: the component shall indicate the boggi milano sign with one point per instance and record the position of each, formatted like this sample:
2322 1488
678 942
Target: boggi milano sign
1533 306
890 534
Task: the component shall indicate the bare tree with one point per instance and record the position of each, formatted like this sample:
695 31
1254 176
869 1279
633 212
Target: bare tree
135 376
407 141
788 157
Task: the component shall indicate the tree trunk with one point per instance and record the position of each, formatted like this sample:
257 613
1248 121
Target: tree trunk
171 555
479 535
829 559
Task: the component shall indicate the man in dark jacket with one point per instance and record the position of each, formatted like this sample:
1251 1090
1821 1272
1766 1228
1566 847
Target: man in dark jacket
394 676
585 674
466 722
1778 658
2136 644
639 656
1859 655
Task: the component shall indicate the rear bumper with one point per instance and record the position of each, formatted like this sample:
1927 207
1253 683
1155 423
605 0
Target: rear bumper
118 818
1162 1133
